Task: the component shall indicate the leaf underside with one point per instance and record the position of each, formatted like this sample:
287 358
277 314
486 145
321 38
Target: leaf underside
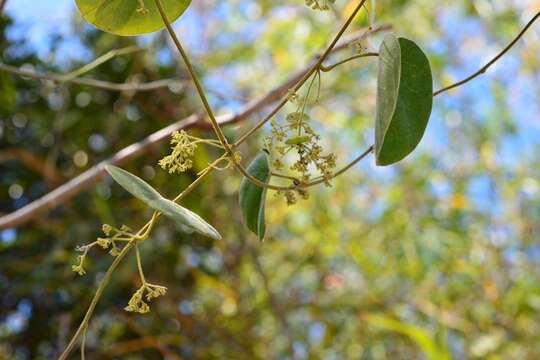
252 197
143 191
122 18
404 99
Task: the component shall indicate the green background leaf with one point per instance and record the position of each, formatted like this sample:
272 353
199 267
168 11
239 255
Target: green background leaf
122 18
404 99
252 197
143 191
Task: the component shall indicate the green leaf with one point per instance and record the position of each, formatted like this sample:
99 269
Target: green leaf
252 197
143 191
297 140
125 17
404 99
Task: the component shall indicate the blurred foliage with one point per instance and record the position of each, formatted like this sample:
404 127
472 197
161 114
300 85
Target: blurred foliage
435 258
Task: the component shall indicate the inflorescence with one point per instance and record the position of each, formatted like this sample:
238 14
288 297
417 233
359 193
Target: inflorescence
322 5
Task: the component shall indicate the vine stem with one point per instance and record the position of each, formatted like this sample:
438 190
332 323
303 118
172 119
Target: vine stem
202 95
139 264
102 284
101 60
307 75
142 234
354 57
484 68
215 125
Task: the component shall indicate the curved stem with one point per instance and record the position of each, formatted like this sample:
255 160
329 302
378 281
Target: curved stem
194 77
343 169
202 95
102 284
141 234
139 264
83 343
307 75
492 61
215 125
99 84
358 56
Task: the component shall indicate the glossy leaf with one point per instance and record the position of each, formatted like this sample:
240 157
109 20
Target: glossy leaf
404 99
252 197
127 17
143 191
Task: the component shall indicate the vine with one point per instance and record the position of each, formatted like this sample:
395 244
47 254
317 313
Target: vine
295 136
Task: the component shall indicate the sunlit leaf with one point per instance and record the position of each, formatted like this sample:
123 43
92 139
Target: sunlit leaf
421 337
252 197
404 99
143 191
129 17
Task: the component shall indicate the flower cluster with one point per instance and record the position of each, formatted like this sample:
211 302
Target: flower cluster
79 267
291 195
298 136
182 150
113 234
137 302
322 5
142 9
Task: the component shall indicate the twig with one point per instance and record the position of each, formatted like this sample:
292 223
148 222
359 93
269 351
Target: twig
103 283
101 60
90 177
492 61
354 57
61 78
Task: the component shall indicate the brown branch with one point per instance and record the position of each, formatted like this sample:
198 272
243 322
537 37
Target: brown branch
2 6
33 162
83 181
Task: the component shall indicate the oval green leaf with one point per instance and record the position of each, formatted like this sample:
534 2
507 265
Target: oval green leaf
143 191
404 99
129 17
252 197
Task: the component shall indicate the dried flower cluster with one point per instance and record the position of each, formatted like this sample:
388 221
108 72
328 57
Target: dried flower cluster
113 234
137 302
